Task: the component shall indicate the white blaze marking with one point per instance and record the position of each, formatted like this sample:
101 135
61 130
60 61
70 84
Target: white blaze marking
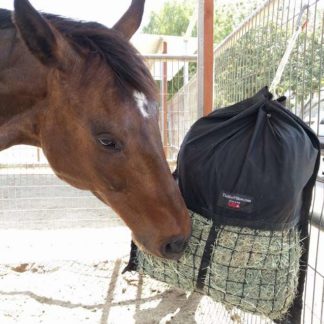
141 102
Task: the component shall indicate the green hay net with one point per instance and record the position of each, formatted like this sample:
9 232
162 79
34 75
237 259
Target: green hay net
253 270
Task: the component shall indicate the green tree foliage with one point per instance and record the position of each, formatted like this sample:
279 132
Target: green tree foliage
230 15
173 19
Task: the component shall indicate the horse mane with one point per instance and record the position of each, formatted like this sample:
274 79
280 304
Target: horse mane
123 59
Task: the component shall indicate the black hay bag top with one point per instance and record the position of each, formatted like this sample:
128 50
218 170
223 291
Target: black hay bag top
248 164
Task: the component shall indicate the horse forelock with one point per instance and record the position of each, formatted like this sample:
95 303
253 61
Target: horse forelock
130 72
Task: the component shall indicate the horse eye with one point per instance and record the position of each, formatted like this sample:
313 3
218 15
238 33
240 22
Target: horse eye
109 142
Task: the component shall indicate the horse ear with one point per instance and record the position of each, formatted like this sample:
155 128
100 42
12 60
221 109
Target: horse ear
36 33
131 20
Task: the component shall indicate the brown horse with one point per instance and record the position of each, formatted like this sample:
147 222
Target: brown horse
83 94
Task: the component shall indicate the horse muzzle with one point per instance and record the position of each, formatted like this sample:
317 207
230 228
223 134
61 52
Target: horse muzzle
174 248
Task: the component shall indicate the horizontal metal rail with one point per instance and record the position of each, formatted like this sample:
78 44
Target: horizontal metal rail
168 57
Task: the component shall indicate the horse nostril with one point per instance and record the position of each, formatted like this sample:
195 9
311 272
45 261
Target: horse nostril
174 248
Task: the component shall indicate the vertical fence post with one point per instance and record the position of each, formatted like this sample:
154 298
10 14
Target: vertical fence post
165 100
205 56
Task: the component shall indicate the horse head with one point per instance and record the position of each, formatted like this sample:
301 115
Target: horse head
96 120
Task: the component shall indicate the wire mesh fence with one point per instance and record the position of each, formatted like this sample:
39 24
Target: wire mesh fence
247 60
32 197
178 97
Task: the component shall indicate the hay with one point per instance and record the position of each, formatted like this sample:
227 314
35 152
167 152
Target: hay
253 270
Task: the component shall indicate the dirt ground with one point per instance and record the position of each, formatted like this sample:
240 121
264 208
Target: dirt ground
74 277
76 292
61 257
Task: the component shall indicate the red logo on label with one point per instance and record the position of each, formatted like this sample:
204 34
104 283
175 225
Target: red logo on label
234 204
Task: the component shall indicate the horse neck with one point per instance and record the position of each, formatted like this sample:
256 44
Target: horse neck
22 77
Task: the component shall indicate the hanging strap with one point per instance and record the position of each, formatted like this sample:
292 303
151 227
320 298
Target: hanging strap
132 263
207 257
290 47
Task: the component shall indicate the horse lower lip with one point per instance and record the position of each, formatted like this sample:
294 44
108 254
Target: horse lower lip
171 255
175 256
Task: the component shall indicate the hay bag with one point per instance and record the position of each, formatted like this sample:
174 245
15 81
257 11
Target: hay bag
254 270
246 172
